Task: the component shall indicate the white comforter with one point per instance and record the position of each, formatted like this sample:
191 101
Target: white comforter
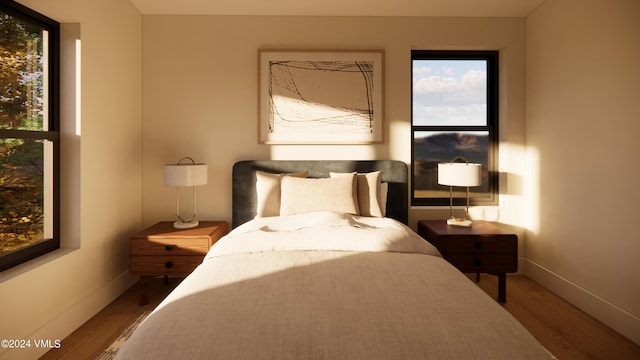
322 231
328 286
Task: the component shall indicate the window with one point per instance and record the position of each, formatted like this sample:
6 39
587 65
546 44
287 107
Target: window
29 138
454 113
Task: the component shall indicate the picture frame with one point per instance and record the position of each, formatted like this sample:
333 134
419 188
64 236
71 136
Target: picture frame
320 96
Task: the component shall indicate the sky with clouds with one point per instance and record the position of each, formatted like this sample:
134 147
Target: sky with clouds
449 92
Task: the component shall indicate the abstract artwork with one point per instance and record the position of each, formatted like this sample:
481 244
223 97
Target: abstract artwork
320 97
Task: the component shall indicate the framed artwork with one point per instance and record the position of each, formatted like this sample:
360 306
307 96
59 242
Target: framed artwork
320 96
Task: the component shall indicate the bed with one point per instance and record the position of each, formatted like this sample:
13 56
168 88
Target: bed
326 278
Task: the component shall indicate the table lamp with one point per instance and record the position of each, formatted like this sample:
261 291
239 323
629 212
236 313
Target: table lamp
185 175
459 174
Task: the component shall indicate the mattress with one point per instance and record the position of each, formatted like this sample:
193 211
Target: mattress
326 285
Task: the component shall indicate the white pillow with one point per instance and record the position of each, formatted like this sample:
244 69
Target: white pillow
268 192
303 195
369 193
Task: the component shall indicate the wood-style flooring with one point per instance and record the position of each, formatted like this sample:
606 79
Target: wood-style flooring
564 330
94 336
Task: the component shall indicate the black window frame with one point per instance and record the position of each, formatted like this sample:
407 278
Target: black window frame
52 134
492 125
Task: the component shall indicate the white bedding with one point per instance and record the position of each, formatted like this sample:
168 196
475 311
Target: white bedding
328 286
321 231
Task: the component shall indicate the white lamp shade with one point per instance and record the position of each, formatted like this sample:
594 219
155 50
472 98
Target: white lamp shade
459 174
185 175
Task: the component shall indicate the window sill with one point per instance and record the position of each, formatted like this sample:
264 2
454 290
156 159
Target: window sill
33 264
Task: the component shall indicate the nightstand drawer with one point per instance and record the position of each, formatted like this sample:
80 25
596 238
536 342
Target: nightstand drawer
161 249
494 263
170 246
164 265
481 248
479 244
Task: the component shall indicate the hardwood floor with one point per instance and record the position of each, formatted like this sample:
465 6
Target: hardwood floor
99 332
564 330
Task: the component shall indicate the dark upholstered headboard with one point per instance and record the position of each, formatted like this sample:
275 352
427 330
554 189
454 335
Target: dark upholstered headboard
244 181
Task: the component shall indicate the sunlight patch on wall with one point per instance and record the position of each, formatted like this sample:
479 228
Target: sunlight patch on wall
531 187
396 137
70 120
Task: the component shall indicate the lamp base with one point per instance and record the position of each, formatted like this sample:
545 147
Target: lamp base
186 225
459 222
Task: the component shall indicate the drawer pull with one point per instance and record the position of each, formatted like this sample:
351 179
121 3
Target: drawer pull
168 264
478 245
477 262
169 247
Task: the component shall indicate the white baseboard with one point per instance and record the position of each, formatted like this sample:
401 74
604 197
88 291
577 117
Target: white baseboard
613 316
71 319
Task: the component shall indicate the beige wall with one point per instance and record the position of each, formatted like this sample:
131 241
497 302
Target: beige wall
101 196
582 136
200 95
195 82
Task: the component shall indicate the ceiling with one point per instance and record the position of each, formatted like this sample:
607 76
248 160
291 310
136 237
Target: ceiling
464 8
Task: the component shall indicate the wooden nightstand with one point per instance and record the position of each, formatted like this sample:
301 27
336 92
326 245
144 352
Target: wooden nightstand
481 248
163 250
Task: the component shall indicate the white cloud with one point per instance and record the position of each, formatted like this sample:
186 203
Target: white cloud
442 99
435 85
449 115
422 70
440 90
474 80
